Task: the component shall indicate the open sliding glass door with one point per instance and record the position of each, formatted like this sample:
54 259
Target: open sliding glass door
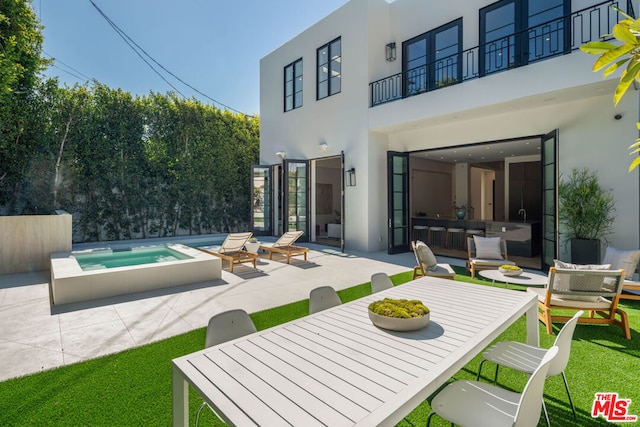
398 199
262 200
296 197
549 199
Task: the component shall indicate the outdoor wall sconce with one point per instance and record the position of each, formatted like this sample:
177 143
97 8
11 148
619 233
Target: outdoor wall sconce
391 51
350 177
323 147
281 155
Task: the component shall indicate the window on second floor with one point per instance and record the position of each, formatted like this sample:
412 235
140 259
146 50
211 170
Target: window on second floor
515 32
329 59
293 85
432 60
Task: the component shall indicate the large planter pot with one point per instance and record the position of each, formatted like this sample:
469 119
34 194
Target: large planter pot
585 251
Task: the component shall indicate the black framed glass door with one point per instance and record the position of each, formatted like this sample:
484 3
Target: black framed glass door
398 202
549 199
296 197
262 200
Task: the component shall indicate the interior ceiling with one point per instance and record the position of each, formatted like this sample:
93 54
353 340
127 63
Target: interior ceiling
483 153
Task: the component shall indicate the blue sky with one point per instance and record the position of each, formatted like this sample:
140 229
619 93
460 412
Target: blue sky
213 45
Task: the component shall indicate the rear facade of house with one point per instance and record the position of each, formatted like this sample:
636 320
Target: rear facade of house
383 118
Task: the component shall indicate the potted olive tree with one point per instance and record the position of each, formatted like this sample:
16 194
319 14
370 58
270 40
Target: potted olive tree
586 214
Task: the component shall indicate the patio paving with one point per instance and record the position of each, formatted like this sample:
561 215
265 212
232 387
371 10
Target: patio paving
34 336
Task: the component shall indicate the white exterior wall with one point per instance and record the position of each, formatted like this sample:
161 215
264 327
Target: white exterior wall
559 93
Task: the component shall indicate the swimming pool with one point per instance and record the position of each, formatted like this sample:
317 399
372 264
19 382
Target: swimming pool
100 259
112 272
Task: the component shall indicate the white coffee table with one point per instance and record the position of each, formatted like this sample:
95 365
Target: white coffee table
525 279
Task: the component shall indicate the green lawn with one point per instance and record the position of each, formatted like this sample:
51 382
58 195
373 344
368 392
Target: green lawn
134 387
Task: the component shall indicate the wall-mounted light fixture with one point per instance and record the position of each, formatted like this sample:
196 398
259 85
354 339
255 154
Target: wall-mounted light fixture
281 155
350 177
391 51
323 147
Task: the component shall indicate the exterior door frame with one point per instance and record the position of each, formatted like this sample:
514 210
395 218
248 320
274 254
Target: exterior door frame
398 202
267 192
286 196
550 229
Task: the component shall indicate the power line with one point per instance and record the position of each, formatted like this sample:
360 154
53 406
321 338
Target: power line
124 37
130 41
68 66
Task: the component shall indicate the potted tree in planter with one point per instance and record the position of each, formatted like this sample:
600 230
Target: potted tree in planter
586 212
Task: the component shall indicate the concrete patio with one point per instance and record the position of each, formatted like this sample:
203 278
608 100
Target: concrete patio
35 336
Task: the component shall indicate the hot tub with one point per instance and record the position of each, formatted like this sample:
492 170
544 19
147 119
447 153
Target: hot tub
100 273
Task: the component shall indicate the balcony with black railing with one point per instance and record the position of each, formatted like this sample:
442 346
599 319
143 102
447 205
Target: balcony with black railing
548 40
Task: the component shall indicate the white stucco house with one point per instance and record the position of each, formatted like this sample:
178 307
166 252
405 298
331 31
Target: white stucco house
385 114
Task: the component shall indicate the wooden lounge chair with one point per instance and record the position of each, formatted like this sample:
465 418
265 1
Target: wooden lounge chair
427 263
284 245
595 291
479 259
231 250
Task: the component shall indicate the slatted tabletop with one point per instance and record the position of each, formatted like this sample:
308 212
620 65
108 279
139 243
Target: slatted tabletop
335 368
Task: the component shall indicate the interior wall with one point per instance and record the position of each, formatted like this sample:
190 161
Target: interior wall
432 188
327 189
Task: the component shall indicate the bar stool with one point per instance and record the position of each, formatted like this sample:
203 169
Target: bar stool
437 236
455 238
420 232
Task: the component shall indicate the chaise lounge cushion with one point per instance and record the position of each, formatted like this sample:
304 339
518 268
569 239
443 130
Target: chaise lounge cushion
621 259
487 247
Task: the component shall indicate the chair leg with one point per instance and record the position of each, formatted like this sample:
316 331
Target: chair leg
546 414
199 411
566 386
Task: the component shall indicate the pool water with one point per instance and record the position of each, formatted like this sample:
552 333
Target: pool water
100 260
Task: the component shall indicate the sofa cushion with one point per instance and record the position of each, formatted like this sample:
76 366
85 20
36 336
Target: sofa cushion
621 259
487 247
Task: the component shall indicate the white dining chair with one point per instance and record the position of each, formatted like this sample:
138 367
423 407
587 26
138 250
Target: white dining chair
223 327
478 404
380 282
526 358
322 298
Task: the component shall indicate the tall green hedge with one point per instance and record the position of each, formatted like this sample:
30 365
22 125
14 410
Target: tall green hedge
134 167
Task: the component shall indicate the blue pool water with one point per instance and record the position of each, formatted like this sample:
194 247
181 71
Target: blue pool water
101 260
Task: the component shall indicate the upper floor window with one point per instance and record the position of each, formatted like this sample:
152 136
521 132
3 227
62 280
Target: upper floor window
515 32
432 60
293 85
329 69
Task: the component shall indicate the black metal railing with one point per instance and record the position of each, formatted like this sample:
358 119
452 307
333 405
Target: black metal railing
557 37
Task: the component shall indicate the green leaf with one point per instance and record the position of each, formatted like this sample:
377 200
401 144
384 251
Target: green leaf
625 81
634 164
597 48
612 55
622 33
614 67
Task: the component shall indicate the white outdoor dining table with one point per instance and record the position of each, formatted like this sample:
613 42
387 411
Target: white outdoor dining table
335 368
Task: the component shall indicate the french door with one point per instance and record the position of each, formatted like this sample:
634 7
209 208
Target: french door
262 200
549 199
296 197
398 201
